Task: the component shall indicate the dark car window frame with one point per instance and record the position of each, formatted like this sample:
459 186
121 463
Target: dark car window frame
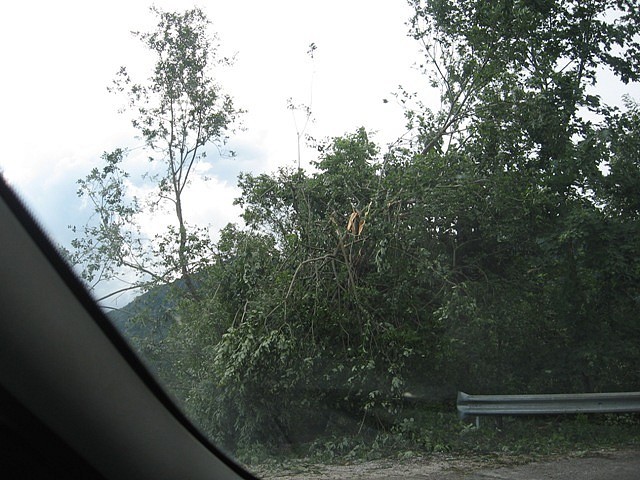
34 276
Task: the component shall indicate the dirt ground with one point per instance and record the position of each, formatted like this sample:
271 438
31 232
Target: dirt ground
596 465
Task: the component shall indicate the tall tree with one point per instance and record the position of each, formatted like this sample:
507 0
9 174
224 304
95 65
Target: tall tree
178 111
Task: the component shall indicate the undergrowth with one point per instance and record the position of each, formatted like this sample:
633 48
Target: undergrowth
420 433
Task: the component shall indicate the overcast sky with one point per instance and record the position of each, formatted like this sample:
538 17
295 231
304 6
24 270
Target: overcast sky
58 58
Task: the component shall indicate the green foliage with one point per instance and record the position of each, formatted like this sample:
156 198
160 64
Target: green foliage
178 112
495 251
425 432
107 240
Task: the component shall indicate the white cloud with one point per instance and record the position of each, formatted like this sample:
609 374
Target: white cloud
60 57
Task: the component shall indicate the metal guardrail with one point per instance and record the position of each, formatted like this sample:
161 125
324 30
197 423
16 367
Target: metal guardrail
479 405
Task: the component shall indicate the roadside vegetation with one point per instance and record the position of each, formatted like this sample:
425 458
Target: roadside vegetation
441 436
442 433
495 248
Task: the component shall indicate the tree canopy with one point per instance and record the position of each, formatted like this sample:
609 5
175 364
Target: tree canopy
496 250
179 111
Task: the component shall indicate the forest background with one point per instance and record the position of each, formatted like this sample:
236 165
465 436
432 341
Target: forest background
495 248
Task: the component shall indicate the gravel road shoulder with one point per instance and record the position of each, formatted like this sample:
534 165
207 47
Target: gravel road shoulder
594 465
